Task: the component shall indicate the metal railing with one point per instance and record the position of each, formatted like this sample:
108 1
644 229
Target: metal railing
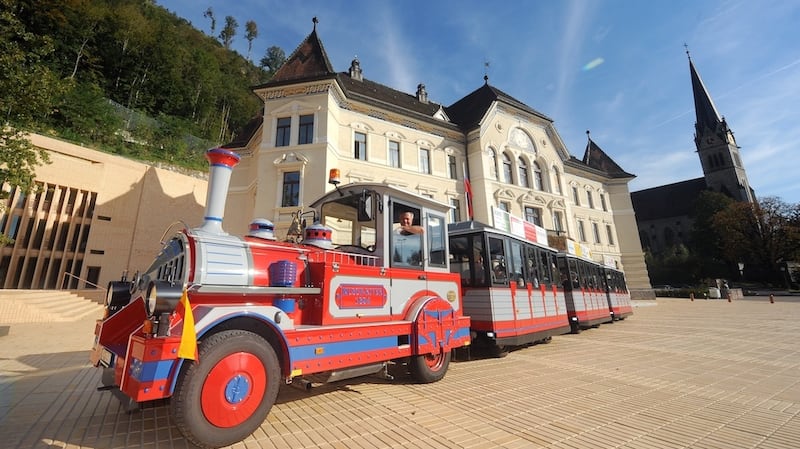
85 282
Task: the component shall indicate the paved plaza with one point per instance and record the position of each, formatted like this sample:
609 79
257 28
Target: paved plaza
676 374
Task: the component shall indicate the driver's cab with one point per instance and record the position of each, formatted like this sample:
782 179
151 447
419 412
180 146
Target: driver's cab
389 227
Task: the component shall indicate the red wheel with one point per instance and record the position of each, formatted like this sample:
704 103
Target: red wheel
233 389
227 394
427 368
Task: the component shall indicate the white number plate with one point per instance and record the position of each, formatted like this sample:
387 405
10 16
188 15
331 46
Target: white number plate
106 357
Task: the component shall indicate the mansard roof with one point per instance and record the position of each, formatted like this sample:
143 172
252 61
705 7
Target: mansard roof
385 97
671 200
597 159
469 111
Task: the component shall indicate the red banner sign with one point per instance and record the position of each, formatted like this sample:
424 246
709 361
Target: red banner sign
354 296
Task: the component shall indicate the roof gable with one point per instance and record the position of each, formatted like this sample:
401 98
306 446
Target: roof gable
469 111
308 61
597 159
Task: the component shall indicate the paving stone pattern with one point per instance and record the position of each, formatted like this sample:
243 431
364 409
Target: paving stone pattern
676 374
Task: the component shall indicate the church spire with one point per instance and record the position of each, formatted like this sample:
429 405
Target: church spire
716 147
707 116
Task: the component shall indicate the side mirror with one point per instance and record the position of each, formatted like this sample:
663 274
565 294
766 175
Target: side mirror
365 207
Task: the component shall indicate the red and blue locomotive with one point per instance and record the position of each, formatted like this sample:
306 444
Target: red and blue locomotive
219 322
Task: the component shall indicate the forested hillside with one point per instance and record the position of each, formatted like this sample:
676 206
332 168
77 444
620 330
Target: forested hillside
127 76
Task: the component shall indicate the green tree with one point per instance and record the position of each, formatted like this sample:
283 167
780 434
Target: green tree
272 60
228 32
251 35
27 92
761 235
705 239
138 55
209 14
87 112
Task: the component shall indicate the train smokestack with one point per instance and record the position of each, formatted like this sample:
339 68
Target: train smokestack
221 163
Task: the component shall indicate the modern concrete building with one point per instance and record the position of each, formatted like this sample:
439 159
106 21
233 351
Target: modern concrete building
94 216
510 155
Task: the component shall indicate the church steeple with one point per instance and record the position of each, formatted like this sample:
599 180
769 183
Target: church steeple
716 146
708 119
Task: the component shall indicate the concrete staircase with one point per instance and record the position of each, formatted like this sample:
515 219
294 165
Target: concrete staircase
44 306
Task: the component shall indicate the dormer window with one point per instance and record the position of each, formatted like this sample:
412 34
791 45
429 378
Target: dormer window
355 70
422 94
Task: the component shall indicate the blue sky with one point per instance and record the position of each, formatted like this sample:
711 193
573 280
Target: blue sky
615 67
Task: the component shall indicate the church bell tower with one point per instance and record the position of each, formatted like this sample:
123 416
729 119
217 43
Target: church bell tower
716 146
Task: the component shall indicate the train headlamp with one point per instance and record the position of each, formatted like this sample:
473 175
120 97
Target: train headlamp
118 295
162 297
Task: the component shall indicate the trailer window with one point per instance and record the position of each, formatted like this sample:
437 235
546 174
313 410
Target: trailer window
498 261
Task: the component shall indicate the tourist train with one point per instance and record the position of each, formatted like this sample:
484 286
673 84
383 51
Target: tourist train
219 322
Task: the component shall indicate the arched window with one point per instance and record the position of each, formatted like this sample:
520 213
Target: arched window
556 180
508 176
523 173
492 163
538 182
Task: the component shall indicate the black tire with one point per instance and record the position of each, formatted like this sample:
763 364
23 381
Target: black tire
427 368
499 351
227 395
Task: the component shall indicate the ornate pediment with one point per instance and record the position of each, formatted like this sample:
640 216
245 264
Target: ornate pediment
532 197
506 194
290 159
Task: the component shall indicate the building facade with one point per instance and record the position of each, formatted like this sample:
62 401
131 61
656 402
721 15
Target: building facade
97 216
508 155
93 217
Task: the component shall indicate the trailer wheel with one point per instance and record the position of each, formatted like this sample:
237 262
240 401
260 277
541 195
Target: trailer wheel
427 368
499 351
226 396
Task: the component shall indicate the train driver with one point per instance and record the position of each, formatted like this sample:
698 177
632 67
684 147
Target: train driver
407 241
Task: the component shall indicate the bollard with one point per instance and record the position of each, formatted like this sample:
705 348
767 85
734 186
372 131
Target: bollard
691 296
771 298
729 296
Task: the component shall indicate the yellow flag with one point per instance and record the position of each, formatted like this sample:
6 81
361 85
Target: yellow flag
188 346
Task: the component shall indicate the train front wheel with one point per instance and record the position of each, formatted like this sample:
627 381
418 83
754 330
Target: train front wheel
427 368
226 396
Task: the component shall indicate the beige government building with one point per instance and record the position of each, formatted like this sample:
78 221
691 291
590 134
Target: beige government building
316 119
